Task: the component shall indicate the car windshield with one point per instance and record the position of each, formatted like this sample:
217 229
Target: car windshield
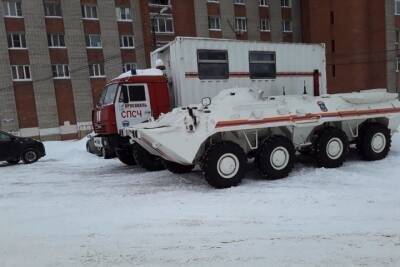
108 94
4 136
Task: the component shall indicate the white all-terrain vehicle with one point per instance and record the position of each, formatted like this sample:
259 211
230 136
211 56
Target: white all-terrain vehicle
220 135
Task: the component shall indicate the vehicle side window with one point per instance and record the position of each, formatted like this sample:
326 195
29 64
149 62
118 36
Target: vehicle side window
262 65
213 64
123 96
137 93
4 137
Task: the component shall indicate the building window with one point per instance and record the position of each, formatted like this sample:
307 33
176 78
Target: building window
213 1
60 71
128 67
21 72
16 40
123 14
96 70
240 24
213 64
285 3
159 2
333 46
397 7
265 25
12 8
52 9
334 71
286 26
214 23
93 41
238 2
126 41
163 24
55 40
89 11
263 2
262 65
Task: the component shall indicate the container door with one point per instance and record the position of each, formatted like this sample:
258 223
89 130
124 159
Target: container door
133 105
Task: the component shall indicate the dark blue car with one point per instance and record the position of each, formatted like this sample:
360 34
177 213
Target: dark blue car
13 149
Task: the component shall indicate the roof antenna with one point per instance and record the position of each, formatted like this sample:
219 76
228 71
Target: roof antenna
305 88
283 90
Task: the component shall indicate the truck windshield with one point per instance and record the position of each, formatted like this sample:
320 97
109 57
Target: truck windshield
108 95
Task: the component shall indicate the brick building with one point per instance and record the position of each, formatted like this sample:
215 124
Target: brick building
56 55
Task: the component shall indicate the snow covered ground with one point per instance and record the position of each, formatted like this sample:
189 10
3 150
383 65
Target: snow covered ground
75 209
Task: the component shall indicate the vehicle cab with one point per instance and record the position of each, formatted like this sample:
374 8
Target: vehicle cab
133 97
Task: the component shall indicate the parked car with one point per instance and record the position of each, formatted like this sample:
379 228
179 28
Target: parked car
91 146
13 149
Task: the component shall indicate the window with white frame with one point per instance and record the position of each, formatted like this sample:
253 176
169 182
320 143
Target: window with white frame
128 67
60 71
213 1
93 40
96 70
16 40
397 7
12 8
52 8
214 22
159 2
239 2
212 64
163 24
55 40
123 14
240 24
89 11
262 65
286 26
127 41
265 25
21 72
263 2
285 3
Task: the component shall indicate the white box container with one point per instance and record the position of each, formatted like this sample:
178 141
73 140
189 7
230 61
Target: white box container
296 65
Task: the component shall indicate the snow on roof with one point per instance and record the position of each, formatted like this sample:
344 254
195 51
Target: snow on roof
143 72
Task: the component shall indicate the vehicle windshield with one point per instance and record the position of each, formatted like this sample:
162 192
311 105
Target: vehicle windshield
108 95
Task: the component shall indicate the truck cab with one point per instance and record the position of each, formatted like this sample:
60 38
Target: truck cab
133 97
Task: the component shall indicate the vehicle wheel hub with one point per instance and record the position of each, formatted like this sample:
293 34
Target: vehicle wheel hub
30 156
378 142
334 148
228 165
279 158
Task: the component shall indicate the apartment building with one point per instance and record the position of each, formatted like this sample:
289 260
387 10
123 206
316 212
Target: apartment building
56 55
362 41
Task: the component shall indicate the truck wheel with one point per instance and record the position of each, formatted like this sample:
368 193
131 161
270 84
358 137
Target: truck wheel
176 167
146 160
374 141
126 157
106 153
30 156
275 157
331 147
224 165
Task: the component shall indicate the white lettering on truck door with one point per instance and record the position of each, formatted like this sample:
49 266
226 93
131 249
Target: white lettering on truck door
132 105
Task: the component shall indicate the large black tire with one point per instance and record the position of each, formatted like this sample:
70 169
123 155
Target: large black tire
176 167
275 157
331 147
146 160
374 141
106 153
126 156
30 156
13 161
224 165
